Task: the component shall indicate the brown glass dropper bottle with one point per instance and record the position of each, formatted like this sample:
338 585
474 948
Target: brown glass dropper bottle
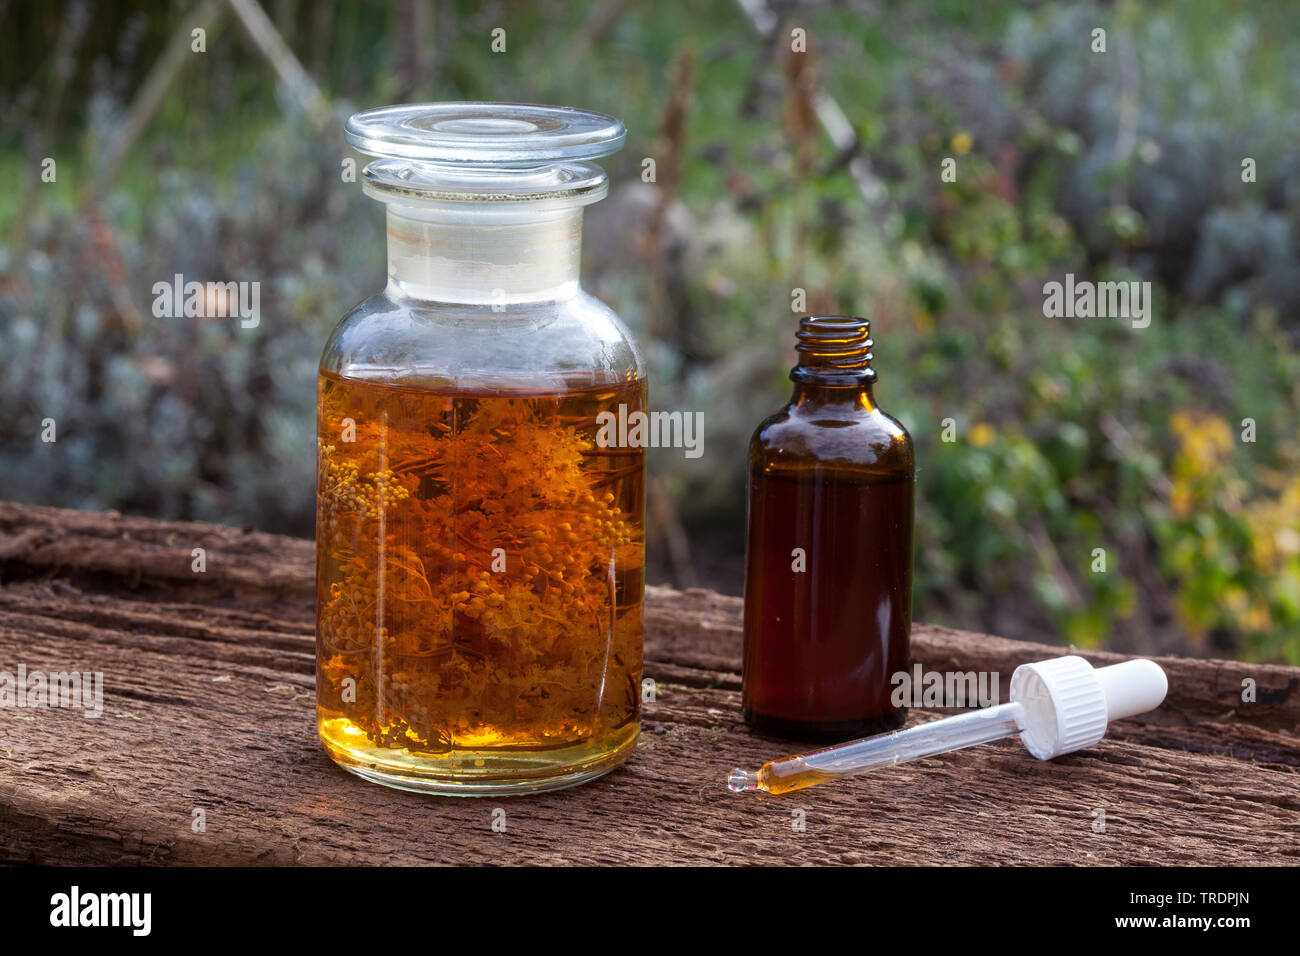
828 564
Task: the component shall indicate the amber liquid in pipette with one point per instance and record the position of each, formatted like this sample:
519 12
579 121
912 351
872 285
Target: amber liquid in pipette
770 781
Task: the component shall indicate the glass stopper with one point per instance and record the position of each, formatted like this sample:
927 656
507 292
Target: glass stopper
484 134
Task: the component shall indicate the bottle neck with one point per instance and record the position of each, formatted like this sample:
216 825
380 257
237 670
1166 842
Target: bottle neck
834 362
855 398
484 254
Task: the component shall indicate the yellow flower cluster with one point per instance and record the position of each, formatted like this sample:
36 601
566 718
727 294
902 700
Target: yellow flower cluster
492 601
343 490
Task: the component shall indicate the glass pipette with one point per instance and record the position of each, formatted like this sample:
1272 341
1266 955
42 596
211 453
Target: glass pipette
1057 706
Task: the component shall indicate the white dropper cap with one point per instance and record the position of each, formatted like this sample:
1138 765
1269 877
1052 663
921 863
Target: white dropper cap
1068 704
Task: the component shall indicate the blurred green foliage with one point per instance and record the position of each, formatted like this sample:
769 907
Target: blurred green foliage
1068 435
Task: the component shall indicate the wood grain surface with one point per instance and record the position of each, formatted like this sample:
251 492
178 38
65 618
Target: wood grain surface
208 705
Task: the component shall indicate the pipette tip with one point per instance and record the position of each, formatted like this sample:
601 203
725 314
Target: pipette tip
742 780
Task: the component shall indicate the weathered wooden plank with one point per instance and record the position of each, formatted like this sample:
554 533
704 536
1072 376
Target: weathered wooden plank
208 683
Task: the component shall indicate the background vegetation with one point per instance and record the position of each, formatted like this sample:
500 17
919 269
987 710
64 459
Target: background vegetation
1071 435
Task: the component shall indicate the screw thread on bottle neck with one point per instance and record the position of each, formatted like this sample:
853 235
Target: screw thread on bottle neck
834 350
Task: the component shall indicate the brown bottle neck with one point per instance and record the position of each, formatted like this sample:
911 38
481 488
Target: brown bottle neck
858 397
834 362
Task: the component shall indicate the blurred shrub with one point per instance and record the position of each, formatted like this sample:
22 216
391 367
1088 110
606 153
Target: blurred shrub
1070 436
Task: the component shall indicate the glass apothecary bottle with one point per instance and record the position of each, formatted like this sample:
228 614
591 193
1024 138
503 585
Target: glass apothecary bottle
828 567
480 555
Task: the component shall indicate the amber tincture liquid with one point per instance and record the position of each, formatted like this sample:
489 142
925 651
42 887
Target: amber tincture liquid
480 576
828 581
